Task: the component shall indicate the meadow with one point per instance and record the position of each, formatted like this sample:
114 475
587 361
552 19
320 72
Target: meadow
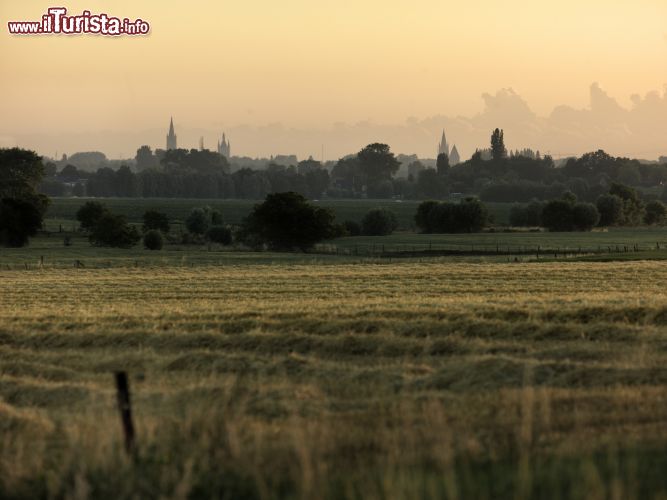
63 210
336 379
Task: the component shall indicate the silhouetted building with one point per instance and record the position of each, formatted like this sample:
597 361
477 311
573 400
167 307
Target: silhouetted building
224 147
443 147
454 157
171 137
285 160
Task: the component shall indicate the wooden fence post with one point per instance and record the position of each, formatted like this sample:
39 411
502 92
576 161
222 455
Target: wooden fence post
125 409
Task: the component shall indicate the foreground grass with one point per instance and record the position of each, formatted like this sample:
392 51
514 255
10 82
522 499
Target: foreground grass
337 380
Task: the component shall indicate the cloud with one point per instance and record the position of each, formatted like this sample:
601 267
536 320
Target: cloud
638 131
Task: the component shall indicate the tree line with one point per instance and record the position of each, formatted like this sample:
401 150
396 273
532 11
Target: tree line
493 174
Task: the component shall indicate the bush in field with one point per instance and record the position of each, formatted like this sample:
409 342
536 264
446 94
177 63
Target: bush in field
197 222
153 240
154 220
557 215
423 218
585 216
656 212
286 221
201 219
219 234
468 216
528 215
471 215
90 213
379 222
114 231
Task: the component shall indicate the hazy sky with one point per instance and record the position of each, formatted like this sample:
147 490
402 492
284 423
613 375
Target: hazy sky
307 65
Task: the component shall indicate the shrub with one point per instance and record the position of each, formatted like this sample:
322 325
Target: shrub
154 220
655 213
379 222
422 217
528 215
469 216
557 215
219 234
610 207
153 240
585 216
113 231
197 222
201 219
285 221
90 213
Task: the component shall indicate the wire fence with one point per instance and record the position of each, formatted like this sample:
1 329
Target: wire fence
460 249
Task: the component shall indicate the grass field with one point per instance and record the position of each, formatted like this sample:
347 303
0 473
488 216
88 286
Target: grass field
336 380
63 210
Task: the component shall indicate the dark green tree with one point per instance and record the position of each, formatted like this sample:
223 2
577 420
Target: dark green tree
287 221
113 231
527 216
22 207
471 215
90 213
377 162
656 212
633 207
379 222
585 216
423 216
19 219
498 150
557 216
610 207
442 164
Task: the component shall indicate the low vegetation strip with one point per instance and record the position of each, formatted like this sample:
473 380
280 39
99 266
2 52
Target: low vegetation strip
458 380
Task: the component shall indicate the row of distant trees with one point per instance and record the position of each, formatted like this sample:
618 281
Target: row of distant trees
492 174
620 206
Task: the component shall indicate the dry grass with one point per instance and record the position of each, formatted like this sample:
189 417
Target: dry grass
337 381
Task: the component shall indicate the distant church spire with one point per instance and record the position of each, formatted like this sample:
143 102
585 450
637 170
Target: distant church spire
443 147
454 156
171 137
224 147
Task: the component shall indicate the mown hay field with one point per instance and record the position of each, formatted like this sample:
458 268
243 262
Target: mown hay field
337 380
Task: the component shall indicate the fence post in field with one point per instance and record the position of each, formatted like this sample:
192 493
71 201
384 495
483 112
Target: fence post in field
125 409
41 261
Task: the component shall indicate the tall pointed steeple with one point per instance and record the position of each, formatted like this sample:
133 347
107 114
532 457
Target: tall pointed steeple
171 137
224 147
443 147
